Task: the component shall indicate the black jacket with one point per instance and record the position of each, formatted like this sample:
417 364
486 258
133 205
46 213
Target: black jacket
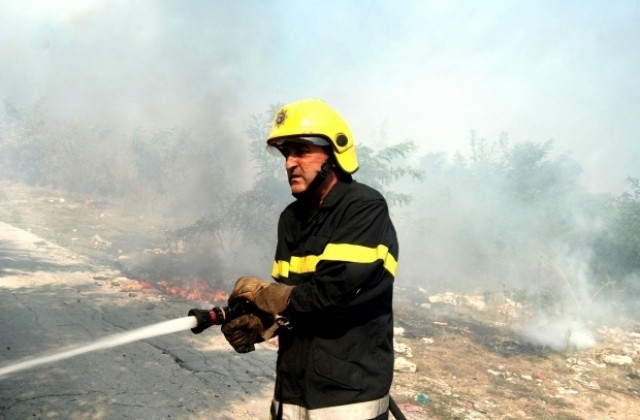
343 262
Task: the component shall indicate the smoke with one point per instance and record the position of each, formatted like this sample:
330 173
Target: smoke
559 333
146 66
512 222
147 81
568 323
144 63
430 71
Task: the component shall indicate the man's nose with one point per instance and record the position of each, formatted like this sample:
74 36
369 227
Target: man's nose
290 162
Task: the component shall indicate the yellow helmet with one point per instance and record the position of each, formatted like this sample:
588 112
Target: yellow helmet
314 118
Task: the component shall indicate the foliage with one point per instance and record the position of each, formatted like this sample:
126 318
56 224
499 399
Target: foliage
617 249
489 214
154 169
256 211
382 169
501 212
22 148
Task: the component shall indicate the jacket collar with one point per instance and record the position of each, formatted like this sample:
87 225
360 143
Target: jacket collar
335 195
302 212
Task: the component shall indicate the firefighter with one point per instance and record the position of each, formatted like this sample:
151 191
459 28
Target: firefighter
335 262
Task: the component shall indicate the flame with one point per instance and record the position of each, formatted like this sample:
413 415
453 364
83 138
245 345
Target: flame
194 289
145 284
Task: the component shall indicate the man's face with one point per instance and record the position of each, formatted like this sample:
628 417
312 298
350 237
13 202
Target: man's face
303 162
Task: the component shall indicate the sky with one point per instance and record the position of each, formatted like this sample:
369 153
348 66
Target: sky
427 71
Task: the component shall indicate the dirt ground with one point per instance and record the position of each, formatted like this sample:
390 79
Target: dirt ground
454 361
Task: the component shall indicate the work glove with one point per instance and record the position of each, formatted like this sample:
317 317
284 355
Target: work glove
246 330
269 297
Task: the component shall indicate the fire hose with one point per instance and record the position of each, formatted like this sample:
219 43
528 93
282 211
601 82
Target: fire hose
219 315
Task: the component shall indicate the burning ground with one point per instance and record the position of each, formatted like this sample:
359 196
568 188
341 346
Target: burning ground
459 355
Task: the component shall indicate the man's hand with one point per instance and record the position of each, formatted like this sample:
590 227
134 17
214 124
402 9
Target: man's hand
246 330
269 297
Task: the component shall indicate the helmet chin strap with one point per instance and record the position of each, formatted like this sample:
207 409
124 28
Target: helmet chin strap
315 185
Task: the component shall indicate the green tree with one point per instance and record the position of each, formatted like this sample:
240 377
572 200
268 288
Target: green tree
256 210
617 250
383 168
22 143
489 213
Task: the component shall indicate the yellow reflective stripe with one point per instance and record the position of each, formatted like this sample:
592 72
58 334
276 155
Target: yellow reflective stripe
360 254
336 252
280 269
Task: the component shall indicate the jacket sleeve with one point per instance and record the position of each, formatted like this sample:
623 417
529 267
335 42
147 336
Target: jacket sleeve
357 265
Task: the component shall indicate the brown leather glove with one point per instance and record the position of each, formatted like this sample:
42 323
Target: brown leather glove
246 330
269 297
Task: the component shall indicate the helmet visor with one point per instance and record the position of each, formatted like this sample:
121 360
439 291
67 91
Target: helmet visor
279 146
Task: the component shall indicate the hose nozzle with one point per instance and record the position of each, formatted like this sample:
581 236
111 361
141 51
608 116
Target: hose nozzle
217 315
207 317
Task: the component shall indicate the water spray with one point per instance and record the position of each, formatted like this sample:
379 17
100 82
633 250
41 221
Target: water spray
197 320
162 328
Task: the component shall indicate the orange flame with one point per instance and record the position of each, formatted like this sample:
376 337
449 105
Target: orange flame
194 289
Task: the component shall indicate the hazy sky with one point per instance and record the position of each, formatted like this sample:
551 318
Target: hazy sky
430 71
